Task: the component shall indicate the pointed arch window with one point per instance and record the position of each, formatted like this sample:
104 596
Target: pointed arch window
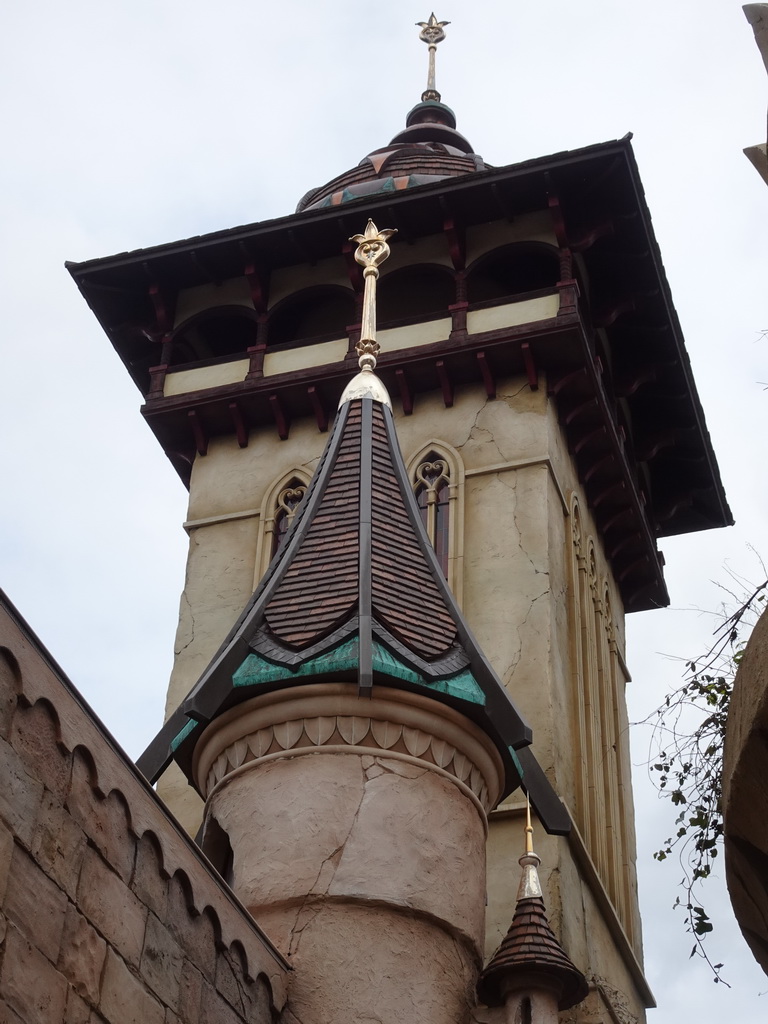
602 803
288 500
278 511
437 477
433 498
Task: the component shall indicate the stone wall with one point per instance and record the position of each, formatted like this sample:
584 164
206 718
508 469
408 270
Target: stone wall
109 912
745 799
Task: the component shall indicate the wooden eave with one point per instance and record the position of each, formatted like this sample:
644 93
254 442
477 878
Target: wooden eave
614 358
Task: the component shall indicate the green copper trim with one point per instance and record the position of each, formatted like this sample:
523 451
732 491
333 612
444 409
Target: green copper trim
516 759
258 671
176 743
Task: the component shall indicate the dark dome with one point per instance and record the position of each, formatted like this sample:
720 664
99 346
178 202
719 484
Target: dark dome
428 149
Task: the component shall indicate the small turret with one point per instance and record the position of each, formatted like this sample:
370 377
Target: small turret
530 974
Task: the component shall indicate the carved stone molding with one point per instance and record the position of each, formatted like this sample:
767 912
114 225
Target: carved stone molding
332 718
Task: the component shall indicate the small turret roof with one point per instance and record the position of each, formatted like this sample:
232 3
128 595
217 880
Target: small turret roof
530 956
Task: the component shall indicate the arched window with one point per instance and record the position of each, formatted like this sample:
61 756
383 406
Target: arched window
513 270
601 802
437 476
322 312
434 504
223 331
418 291
277 513
288 500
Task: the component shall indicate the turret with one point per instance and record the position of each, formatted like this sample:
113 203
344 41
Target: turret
530 975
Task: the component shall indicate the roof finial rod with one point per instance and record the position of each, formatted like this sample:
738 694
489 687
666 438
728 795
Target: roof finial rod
372 250
529 862
431 34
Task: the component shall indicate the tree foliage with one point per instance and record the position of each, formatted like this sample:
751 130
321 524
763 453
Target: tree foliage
686 761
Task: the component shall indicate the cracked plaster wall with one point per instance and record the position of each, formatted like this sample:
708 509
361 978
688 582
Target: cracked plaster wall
369 874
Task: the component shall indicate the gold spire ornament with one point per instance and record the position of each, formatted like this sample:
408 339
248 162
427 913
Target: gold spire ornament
372 250
431 33
529 883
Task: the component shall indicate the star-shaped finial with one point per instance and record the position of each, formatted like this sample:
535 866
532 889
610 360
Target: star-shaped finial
432 34
432 30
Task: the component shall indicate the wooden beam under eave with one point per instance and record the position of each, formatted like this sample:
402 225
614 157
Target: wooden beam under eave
406 395
446 385
240 425
198 431
489 381
281 420
321 416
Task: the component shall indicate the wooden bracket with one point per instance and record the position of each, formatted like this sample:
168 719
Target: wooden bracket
241 427
198 432
488 379
281 421
318 408
530 366
445 382
406 397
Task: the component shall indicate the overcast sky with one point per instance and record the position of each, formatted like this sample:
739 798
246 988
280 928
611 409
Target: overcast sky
128 124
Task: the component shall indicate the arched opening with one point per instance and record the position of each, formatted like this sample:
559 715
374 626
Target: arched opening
213 334
419 291
513 270
288 500
311 314
433 498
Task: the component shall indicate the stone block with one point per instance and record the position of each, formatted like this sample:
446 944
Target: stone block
193 931
161 962
35 737
111 907
6 852
190 993
7 1016
150 882
124 999
20 794
36 904
214 1008
59 844
78 1011
103 819
82 955
9 687
231 983
31 986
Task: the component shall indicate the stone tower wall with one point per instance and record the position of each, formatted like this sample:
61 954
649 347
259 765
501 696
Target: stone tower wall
107 910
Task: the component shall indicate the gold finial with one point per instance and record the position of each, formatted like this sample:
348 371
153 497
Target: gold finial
529 883
431 34
372 250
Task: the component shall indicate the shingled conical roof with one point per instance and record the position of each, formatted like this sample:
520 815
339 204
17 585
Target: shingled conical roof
356 594
530 956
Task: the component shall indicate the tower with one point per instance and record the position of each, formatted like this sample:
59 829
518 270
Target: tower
546 411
